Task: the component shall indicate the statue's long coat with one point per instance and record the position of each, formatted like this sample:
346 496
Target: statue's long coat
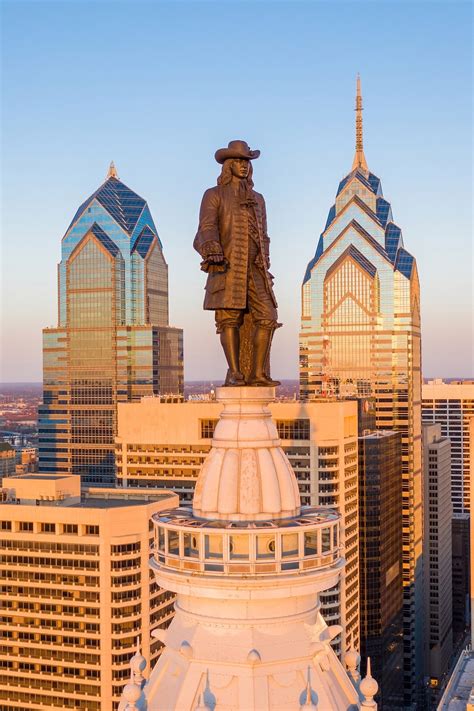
224 219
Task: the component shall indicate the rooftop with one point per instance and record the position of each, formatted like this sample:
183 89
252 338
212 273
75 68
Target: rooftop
65 490
460 685
377 434
114 503
39 477
124 205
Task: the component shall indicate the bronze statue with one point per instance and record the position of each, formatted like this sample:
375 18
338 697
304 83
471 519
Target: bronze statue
233 243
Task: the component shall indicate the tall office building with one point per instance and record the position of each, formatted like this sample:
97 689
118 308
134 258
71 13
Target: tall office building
165 445
438 554
452 405
248 562
113 342
381 588
360 336
76 590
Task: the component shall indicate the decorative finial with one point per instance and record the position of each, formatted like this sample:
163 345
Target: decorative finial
112 171
368 688
359 158
138 665
131 694
352 660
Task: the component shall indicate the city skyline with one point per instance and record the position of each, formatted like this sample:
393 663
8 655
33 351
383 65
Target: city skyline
416 135
174 541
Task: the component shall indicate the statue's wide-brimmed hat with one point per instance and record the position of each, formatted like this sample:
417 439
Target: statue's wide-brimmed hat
236 149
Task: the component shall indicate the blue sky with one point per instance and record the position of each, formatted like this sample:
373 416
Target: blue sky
158 87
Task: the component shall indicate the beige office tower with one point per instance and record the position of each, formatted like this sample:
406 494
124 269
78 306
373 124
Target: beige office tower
76 591
360 336
438 555
165 444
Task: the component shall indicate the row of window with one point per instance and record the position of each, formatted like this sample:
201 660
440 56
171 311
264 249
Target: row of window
48 527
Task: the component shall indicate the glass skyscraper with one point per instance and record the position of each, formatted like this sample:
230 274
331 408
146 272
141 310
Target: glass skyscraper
380 554
360 336
113 342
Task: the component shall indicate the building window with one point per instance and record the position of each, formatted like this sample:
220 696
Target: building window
293 429
70 528
5 525
92 530
207 428
48 528
26 526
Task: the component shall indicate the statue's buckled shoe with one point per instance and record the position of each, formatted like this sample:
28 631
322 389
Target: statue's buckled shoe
234 379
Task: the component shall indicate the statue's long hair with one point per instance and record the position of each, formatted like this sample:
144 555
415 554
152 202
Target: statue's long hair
226 174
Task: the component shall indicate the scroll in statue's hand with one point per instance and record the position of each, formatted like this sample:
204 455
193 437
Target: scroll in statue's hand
214 264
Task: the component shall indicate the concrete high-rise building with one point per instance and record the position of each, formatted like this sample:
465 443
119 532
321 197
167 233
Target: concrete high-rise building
360 336
248 562
452 405
76 590
438 513
165 445
7 459
381 585
113 342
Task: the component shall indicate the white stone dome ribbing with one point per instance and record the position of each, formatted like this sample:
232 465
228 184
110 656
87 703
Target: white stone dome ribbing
247 476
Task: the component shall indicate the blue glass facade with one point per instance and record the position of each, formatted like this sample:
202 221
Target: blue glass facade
113 342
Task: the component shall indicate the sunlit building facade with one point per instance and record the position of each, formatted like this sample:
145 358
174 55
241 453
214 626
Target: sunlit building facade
360 336
248 563
452 405
113 342
76 591
165 445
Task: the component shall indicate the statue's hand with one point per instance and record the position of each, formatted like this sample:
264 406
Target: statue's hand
214 263
215 258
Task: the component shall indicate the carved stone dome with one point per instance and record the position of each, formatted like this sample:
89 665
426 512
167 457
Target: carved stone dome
246 476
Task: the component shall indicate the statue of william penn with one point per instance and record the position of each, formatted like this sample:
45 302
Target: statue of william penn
233 243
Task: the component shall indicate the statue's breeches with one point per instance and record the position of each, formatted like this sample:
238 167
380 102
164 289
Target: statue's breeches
260 305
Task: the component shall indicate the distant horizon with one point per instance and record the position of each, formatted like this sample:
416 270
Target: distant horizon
222 377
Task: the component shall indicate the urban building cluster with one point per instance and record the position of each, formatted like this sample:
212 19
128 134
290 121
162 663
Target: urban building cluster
310 552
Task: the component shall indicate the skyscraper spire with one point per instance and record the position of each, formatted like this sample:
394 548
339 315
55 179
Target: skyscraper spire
359 158
112 171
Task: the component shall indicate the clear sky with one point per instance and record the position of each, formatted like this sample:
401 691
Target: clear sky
158 87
